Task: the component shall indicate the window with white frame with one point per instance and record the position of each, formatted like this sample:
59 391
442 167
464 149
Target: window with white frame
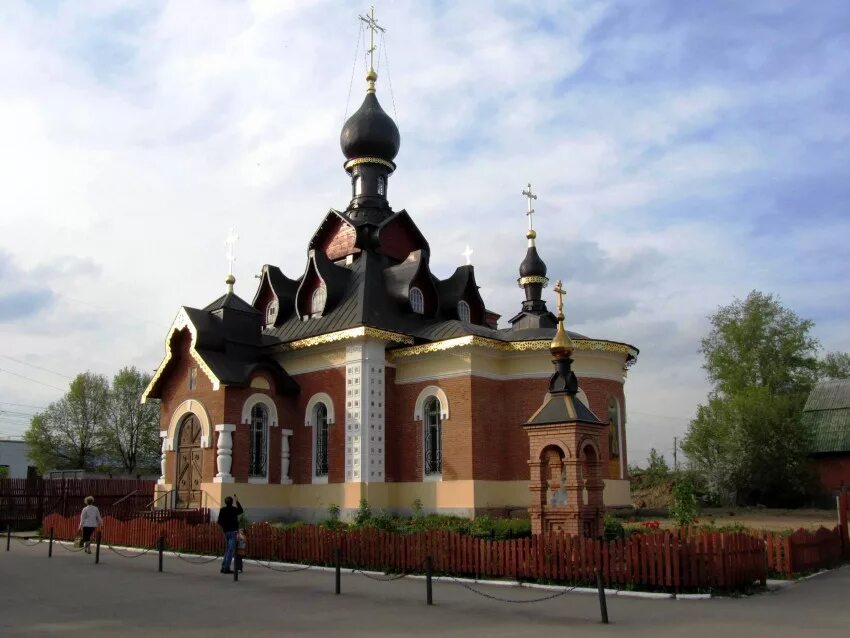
463 311
320 297
271 312
417 301
320 426
614 433
259 442
433 432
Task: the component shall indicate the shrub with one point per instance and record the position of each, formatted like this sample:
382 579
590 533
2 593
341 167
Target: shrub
364 512
416 508
382 520
613 528
684 508
333 522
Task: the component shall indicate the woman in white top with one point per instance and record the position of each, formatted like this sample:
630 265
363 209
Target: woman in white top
89 521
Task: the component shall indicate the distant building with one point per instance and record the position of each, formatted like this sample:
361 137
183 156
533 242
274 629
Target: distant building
14 459
827 412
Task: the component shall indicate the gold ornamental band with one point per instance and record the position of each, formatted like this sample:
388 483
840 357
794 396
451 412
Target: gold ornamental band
368 160
532 279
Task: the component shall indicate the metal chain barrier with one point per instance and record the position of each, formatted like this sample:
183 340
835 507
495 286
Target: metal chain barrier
283 570
384 579
136 555
68 549
26 542
508 600
200 561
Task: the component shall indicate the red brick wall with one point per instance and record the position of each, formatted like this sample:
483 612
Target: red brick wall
338 242
398 240
175 390
331 382
493 446
833 470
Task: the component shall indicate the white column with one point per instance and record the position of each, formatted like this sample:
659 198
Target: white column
365 365
284 457
224 459
163 434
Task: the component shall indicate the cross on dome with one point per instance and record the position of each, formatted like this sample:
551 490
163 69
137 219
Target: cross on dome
468 254
529 195
230 242
559 290
372 25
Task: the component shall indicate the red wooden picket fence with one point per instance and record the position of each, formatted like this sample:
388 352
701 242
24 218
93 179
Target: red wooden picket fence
662 560
804 550
32 499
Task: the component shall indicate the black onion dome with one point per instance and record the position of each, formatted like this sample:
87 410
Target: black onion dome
370 132
532 265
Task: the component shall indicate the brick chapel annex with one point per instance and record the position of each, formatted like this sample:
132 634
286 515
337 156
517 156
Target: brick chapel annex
369 377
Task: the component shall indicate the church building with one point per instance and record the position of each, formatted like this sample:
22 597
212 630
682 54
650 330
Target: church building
368 377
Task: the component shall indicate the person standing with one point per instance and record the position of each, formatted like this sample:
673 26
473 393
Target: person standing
228 519
90 520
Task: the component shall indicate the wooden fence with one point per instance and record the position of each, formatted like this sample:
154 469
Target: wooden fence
23 500
659 561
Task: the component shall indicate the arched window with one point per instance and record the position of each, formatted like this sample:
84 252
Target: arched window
259 443
614 433
417 301
382 187
463 311
433 431
320 425
271 312
320 297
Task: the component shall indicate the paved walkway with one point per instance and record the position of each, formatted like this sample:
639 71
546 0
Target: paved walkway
68 595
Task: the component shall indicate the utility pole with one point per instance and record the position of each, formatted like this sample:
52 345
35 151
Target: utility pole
675 454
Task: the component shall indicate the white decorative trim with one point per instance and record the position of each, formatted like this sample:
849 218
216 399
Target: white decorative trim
285 455
432 391
180 322
224 459
258 480
190 406
254 399
163 434
365 407
504 377
319 397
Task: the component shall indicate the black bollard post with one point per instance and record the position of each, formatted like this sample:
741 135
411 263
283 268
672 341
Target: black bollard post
161 549
338 567
97 550
8 536
50 545
603 605
429 572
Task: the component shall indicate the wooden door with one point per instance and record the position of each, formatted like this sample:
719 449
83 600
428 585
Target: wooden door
189 464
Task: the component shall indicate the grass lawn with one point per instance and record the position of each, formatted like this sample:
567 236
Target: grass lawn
757 518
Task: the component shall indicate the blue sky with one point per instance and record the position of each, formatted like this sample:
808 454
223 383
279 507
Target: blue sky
684 153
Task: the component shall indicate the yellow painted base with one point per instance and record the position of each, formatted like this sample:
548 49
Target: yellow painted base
311 502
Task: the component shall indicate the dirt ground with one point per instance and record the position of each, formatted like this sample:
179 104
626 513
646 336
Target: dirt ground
759 518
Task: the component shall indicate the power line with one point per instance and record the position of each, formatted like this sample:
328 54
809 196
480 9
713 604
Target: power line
32 365
32 380
24 405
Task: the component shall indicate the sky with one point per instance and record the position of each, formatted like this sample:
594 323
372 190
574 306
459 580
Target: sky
684 154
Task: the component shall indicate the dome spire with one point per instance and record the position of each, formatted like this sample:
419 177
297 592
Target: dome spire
370 141
372 25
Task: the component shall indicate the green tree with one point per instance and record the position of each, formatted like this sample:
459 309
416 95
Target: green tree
68 434
131 431
835 365
747 441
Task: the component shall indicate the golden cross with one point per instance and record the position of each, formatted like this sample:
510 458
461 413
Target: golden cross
372 25
559 290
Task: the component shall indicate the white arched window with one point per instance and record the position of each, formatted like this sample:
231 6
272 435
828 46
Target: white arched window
417 301
271 312
320 297
433 433
320 440
259 442
463 311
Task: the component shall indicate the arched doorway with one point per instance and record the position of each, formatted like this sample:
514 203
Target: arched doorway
189 464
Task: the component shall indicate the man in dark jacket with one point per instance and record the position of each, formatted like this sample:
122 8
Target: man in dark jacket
228 518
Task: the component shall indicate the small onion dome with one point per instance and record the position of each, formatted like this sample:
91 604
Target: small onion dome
532 265
562 345
370 132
